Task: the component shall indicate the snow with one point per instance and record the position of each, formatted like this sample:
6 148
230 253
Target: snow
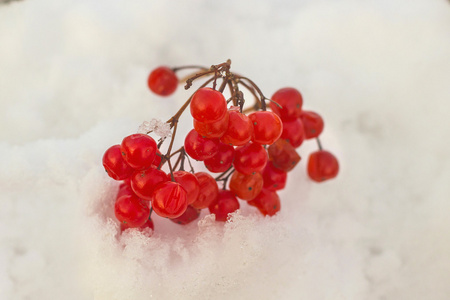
73 82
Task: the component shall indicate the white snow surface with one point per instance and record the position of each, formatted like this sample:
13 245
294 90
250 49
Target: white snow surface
73 83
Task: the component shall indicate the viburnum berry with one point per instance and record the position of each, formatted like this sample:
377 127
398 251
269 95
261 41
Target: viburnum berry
124 189
222 160
115 165
239 131
143 182
246 187
208 105
313 124
169 199
293 132
267 127
322 165
198 147
208 190
212 130
188 216
274 178
148 224
250 158
139 150
162 81
267 202
291 102
158 158
131 210
190 184
283 155
224 204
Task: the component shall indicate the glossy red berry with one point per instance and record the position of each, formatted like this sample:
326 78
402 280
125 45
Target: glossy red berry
169 200
246 187
291 102
190 184
274 178
124 189
322 165
143 182
239 131
188 216
293 132
162 81
208 190
250 158
225 204
148 224
313 124
115 165
222 160
208 105
283 155
267 202
158 158
139 150
212 130
198 147
267 127
131 210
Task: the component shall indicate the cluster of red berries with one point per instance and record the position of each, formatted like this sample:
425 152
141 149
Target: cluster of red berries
254 152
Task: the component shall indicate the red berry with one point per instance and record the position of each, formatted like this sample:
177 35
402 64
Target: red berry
239 131
250 158
283 155
143 182
246 187
162 81
322 165
212 130
208 105
115 165
139 150
169 200
274 179
291 102
267 127
124 189
131 210
148 224
190 184
188 216
225 203
313 124
198 147
222 160
293 132
158 158
208 190
267 202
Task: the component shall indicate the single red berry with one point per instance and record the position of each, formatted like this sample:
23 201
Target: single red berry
267 202
250 158
225 204
313 124
291 102
283 155
190 184
267 127
198 147
274 179
143 182
162 81
208 190
188 216
212 130
148 224
293 132
115 165
322 165
139 150
169 200
158 158
222 160
208 105
239 131
124 189
131 210
246 187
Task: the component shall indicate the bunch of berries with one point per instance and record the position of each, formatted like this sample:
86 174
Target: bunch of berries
251 150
